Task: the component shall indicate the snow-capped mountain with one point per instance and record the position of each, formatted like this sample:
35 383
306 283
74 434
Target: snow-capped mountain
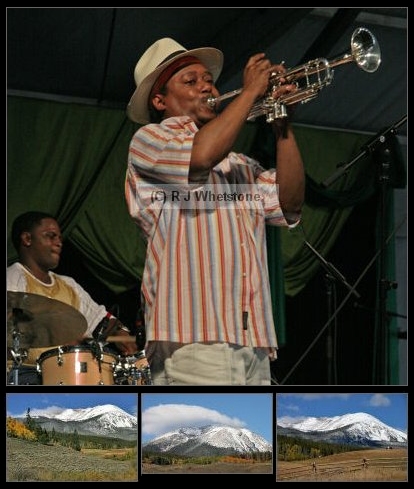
209 440
354 428
106 420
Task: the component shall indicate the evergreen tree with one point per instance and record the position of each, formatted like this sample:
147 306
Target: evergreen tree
75 442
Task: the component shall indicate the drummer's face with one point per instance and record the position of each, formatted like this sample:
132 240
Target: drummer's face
46 244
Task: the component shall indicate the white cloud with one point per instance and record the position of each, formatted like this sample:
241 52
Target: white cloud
379 400
53 410
163 418
291 407
315 396
290 419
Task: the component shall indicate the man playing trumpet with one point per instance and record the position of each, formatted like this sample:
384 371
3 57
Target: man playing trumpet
203 210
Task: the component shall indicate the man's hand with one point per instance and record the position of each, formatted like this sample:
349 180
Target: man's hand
127 347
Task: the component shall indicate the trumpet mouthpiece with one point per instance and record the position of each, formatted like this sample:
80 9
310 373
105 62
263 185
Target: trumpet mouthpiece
211 101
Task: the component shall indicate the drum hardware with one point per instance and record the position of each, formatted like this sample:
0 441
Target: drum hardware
60 357
97 352
133 370
18 354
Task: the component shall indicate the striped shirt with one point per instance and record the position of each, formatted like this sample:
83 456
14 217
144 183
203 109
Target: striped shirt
206 275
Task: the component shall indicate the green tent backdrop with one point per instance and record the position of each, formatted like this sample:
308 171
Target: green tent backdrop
70 160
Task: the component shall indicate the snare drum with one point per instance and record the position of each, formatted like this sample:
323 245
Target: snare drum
133 370
76 365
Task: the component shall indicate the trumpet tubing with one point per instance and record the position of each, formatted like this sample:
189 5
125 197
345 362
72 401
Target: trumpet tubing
310 77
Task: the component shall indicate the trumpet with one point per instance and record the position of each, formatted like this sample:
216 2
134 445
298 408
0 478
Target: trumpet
310 77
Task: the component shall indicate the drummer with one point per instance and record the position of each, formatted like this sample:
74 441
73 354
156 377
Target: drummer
38 241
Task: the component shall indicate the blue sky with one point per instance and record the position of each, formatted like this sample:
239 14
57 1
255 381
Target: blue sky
391 409
165 412
17 404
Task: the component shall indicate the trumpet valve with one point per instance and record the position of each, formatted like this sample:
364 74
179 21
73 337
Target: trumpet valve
277 111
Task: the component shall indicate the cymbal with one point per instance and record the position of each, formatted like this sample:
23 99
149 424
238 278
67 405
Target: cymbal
37 321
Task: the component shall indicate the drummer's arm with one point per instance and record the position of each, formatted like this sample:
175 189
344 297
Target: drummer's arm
110 329
116 328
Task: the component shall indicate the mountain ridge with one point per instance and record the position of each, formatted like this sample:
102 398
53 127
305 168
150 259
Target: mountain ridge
208 440
360 428
105 420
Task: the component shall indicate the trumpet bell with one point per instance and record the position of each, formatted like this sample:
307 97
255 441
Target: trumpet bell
365 50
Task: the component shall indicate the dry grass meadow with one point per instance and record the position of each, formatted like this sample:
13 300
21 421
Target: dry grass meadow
214 468
373 465
28 461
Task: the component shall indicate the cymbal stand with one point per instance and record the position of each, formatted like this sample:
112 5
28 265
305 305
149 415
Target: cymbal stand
17 354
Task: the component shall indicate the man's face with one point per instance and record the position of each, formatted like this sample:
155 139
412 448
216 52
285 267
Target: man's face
187 92
45 243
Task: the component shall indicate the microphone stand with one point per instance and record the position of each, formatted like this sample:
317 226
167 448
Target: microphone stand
331 275
338 309
381 359
366 148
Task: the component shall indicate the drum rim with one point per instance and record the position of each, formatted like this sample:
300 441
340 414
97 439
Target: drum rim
71 349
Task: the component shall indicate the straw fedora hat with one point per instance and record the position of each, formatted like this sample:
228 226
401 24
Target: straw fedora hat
154 61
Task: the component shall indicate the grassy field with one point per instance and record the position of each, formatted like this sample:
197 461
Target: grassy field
30 462
214 468
373 465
